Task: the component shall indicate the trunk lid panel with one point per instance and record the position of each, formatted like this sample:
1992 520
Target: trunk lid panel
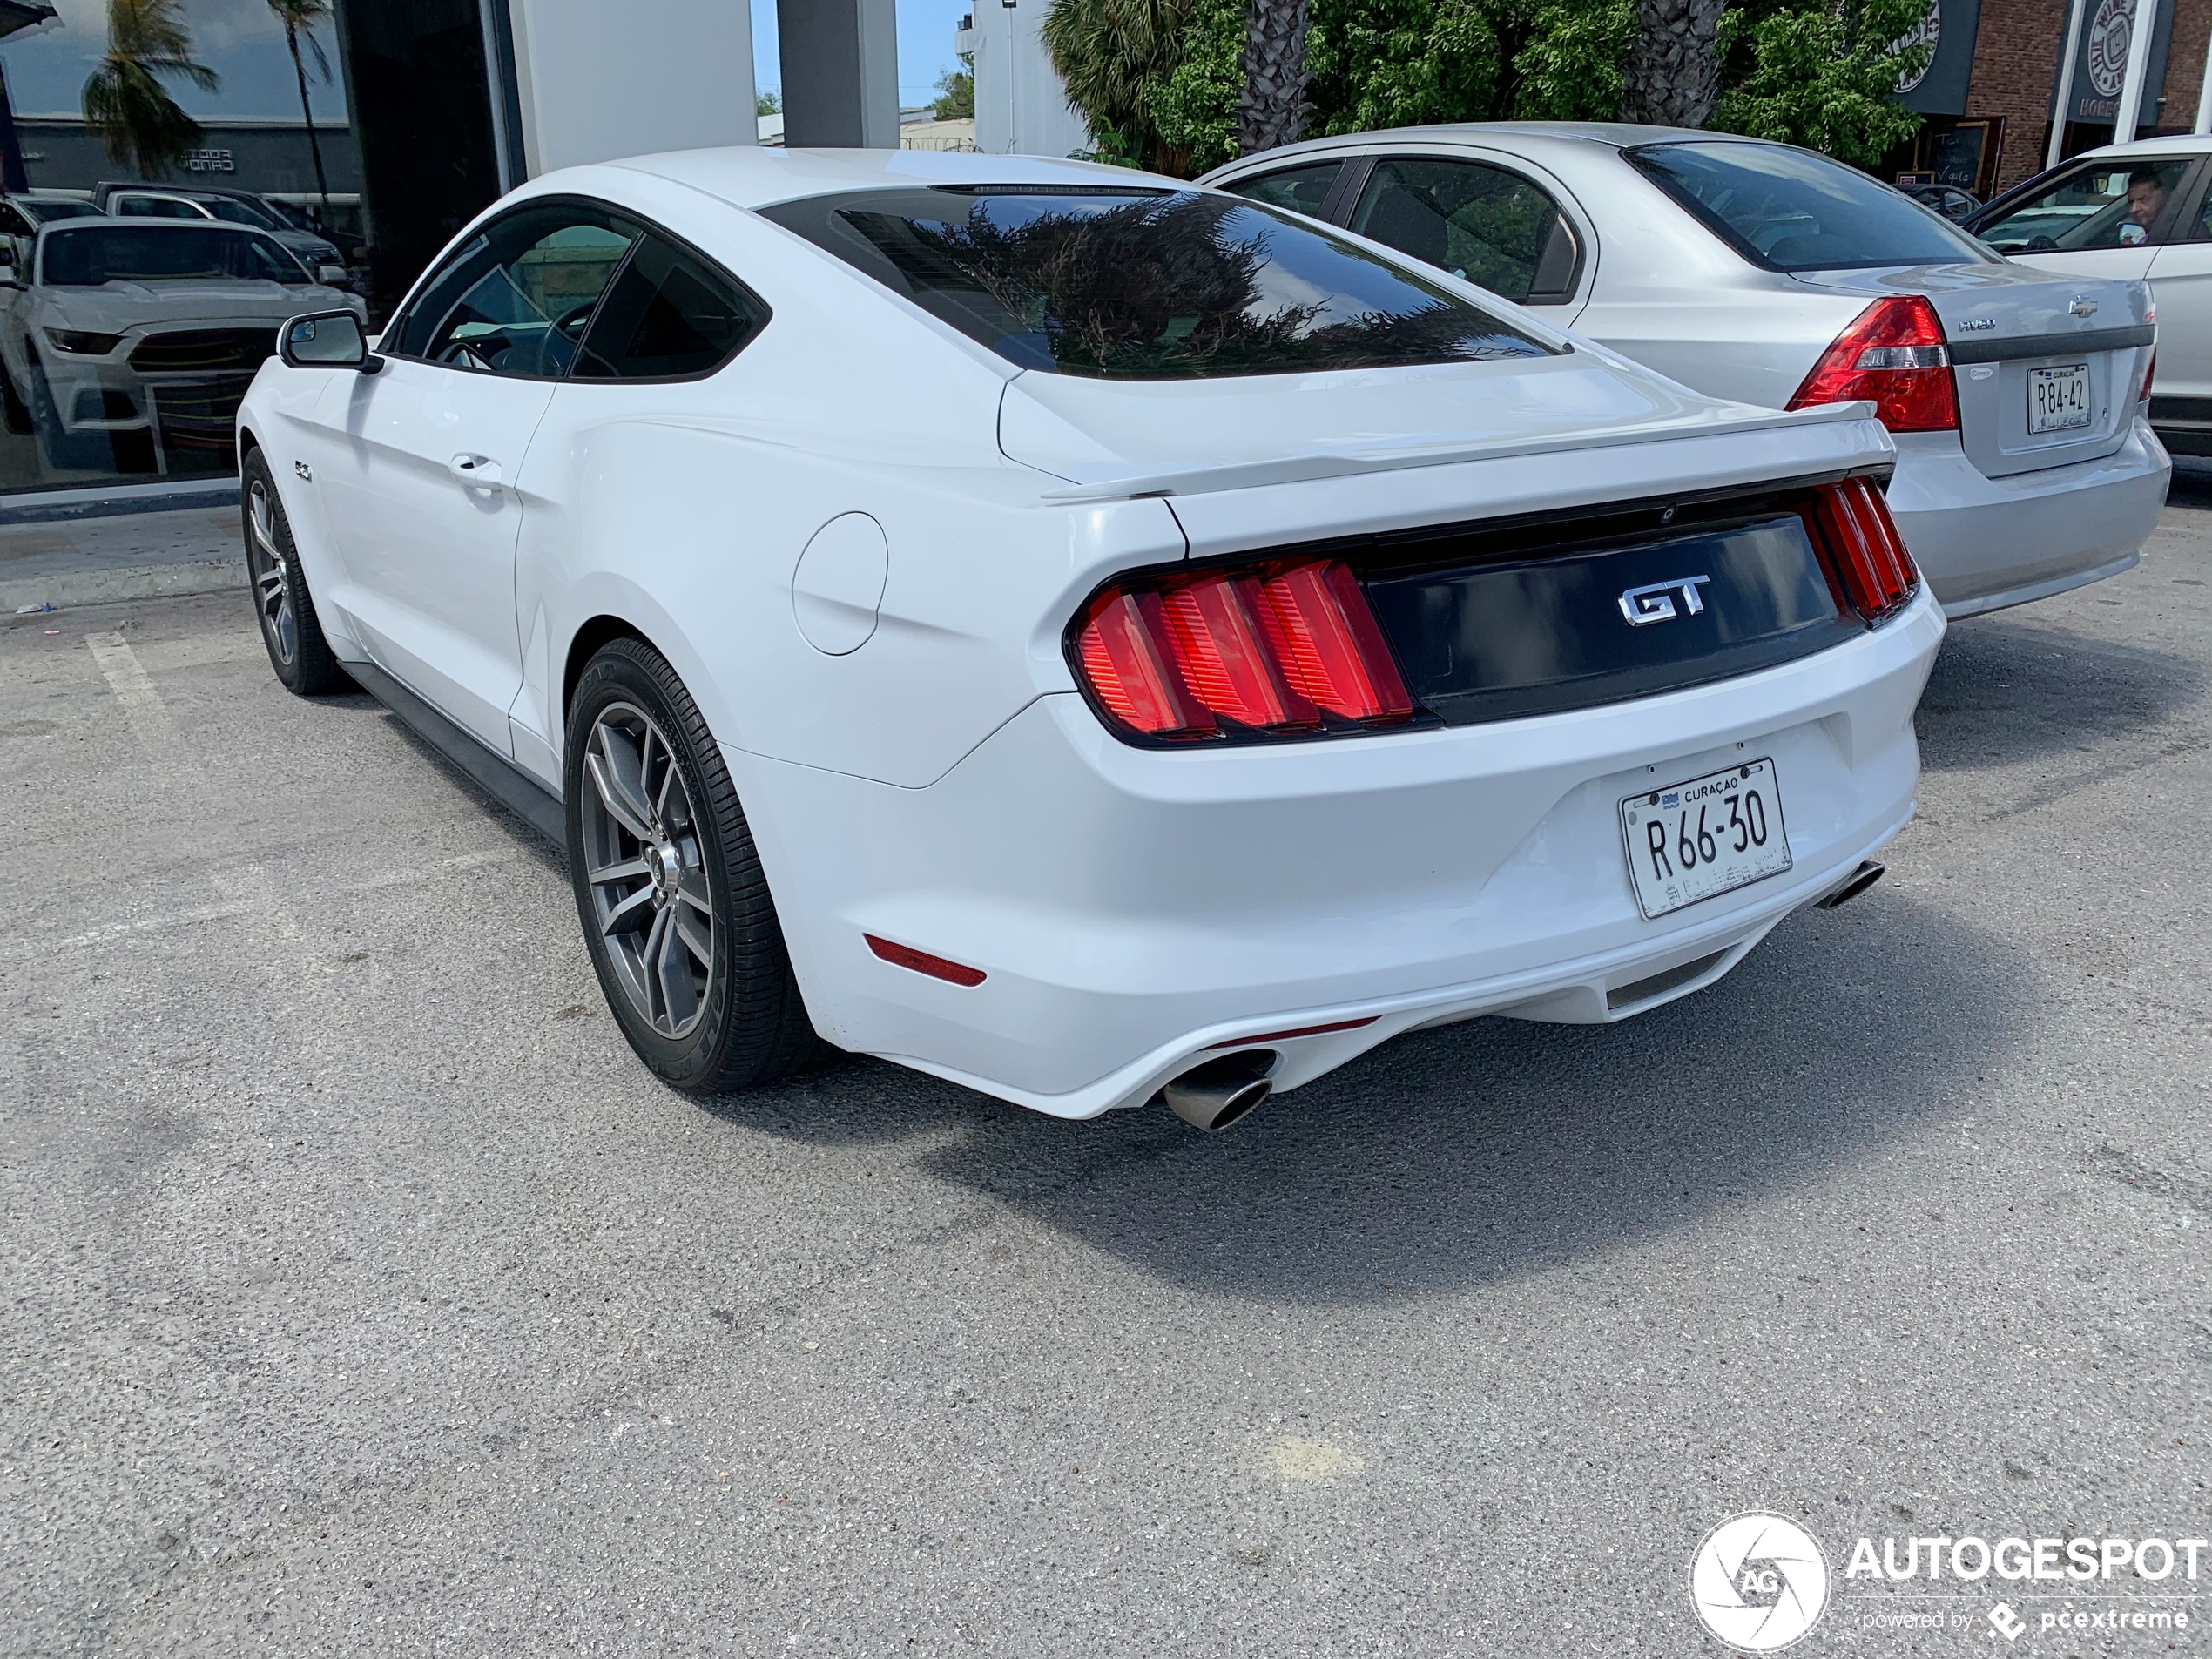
2003 322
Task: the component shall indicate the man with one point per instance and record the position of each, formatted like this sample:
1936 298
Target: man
2146 201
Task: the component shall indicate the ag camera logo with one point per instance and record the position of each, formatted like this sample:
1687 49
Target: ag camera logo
1759 1582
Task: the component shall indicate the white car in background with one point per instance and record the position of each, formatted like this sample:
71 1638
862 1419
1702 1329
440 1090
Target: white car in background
129 344
1083 636
1767 273
2131 212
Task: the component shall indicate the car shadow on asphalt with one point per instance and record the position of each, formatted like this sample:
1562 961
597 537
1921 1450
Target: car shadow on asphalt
1480 1151
2006 691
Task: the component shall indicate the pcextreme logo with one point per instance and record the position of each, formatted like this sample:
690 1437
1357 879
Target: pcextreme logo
1759 1582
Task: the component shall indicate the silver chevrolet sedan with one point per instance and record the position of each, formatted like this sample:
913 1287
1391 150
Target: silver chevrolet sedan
2026 462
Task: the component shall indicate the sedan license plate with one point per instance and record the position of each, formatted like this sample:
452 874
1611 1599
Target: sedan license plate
1699 839
2058 398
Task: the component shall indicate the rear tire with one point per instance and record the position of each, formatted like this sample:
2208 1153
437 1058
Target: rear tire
675 907
290 629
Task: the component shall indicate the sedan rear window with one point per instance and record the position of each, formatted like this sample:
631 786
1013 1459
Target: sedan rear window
1134 284
1790 210
88 256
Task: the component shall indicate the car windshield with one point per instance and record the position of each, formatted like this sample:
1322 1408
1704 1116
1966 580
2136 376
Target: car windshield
1143 284
2103 204
46 212
85 257
1791 210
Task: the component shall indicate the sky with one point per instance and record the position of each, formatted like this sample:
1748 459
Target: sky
243 43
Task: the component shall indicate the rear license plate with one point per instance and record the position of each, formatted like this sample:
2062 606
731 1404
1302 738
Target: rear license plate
2058 398
1699 839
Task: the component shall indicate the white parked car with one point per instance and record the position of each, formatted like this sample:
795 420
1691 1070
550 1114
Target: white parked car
132 344
1081 636
1760 271
2131 212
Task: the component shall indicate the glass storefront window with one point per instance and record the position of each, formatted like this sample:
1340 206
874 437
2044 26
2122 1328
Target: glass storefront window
124 353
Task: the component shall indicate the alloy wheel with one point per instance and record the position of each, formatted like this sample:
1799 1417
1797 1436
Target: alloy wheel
270 574
649 896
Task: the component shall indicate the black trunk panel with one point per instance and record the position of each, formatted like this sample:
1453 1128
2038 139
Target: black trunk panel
1512 636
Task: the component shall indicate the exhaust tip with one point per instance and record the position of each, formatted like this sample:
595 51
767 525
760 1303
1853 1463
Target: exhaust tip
1216 1093
1866 875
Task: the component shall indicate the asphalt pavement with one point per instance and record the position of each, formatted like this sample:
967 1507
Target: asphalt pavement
360 1295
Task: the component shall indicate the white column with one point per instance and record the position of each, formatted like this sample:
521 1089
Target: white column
596 84
2075 17
2131 88
2204 94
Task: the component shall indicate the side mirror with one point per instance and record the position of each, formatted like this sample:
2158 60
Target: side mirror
328 339
9 279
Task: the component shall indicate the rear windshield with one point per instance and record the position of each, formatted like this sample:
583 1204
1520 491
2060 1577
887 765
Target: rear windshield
1790 210
1119 284
85 258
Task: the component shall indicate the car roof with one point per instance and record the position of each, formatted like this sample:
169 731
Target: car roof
109 221
760 175
2187 144
1529 137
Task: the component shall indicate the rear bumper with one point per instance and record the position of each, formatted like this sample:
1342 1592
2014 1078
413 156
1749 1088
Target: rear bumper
1133 909
1985 542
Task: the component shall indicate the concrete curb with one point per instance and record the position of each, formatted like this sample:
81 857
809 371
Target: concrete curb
63 588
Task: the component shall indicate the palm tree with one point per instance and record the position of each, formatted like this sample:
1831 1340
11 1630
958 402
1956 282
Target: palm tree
300 19
1105 52
125 100
1673 76
1273 110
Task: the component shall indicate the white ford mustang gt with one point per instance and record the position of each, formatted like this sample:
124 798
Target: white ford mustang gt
1078 635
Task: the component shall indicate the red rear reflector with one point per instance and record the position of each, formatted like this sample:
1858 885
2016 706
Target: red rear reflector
1866 559
922 962
1277 650
1894 353
1285 1037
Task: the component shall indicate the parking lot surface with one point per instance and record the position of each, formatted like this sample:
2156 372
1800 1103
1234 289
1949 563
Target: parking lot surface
361 1294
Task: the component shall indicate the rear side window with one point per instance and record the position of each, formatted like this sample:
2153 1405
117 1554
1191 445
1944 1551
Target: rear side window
1483 224
668 315
1302 190
1790 210
1134 284
2103 204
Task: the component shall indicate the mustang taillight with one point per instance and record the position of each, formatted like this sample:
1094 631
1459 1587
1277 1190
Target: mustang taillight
1866 558
1283 649
1893 352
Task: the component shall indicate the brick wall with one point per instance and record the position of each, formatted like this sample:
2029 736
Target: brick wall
2016 53
2016 60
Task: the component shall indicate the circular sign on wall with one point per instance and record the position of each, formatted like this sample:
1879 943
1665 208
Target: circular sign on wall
1929 34
2110 31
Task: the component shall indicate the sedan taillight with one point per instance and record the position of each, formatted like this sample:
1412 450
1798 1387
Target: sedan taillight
1866 558
1285 649
1893 352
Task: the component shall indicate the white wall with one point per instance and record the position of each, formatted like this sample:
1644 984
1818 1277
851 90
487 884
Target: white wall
600 81
1021 108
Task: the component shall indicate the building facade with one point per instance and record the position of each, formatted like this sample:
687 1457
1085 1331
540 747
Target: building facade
1991 90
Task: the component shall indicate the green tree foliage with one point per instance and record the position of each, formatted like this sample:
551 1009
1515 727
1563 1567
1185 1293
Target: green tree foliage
768 102
955 96
1824 77
1375 64
125 100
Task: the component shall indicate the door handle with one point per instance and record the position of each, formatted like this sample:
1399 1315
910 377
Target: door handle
479 470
